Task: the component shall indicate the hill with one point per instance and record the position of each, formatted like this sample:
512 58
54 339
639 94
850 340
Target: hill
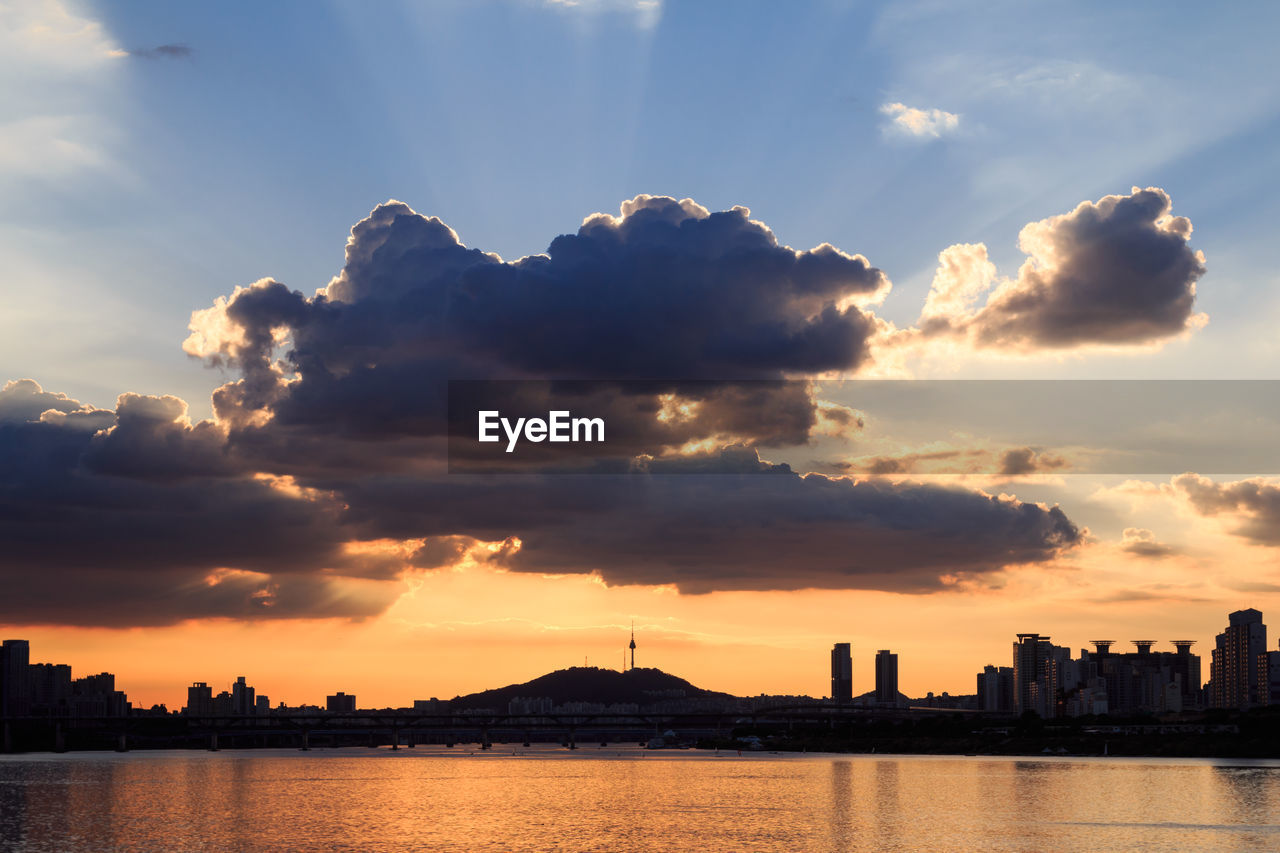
639 686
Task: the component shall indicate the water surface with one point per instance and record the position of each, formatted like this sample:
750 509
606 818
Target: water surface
629 800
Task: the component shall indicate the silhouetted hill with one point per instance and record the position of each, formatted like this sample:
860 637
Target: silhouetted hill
591 684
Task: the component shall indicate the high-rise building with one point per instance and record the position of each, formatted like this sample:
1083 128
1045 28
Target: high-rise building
15 678
340 703
842 672
1234 666
886 678
96 696
1269 678
995 689
50 689
1037 674
242 698
199 700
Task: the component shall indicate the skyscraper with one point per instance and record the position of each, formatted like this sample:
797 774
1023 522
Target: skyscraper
1037 673
1234 666
15 679
886 678
842 672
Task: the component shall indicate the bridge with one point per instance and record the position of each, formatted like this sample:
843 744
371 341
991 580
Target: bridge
403 728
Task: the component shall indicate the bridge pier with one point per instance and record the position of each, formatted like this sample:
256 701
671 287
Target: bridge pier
8 738
306 740
213 742
122 743
59 738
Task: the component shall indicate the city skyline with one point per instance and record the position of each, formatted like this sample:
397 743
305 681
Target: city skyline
246 263
1220 685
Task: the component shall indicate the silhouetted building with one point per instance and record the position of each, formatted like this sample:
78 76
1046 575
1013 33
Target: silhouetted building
1037 674
1142 681
1234 667
15 680
995 689
50 689
96 696
340 703
262 705
1269 678
842 672
886 678
242 698
199 700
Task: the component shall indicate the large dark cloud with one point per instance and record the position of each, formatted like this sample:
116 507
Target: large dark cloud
1117 271
736 528
664 292
142 521
320 481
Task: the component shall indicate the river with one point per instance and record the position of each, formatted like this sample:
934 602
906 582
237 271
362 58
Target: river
627 799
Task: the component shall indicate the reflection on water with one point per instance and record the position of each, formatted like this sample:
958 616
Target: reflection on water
623 800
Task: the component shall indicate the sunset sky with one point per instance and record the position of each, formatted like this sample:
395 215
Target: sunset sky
246 249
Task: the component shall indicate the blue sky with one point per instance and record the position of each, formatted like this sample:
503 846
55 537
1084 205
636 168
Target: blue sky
157 183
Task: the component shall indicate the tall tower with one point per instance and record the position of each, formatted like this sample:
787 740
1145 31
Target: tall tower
842 672
886 678
633 644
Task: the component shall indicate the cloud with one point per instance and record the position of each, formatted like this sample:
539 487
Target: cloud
1019 461
666 292
1142 543
645 13
55 123
730 530
1253 503
320 484
919 124
163 51
48 36
1118 271
942 458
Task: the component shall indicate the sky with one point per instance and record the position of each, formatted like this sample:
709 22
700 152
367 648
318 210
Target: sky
246 248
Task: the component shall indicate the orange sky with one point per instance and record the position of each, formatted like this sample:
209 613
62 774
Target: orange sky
470 628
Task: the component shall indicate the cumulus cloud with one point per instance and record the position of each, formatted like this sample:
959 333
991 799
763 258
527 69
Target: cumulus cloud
1118 271
143 522
320 480
1143 543
666 292
917 123
318 484
1254 504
